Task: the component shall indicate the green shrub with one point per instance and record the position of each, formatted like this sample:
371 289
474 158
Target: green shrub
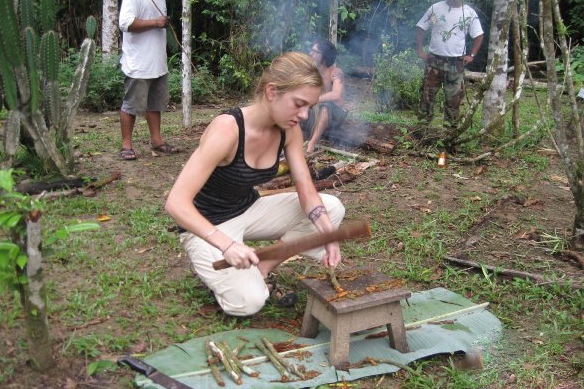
576 66
202 84
234 77
398 78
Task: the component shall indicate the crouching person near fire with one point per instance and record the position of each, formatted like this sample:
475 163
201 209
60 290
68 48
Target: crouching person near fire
327 117
214 201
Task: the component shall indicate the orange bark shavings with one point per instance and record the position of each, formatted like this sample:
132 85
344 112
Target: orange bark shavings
299 355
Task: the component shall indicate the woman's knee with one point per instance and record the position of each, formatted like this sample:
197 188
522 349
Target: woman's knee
334 208
239 304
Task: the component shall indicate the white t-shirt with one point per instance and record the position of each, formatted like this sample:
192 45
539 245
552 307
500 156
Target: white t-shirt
450 26
143 53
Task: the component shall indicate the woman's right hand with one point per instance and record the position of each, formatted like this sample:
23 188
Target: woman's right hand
240 256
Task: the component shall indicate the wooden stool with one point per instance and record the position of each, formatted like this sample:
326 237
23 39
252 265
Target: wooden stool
351 314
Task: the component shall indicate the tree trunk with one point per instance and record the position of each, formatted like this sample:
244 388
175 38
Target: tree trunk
186 65
333 21
572 155
33 299
494 100
517 59
109 28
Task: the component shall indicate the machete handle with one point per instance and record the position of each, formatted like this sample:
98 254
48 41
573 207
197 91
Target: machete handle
136 365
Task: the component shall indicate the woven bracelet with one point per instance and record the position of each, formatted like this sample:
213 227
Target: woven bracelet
227 248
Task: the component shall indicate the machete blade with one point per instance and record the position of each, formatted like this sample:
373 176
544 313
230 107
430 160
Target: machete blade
151 372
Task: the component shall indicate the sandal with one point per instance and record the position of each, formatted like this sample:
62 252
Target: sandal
282 296
165 148
127 154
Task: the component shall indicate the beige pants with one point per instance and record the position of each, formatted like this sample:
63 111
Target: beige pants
244 292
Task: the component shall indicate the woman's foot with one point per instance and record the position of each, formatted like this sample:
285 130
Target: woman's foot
282 296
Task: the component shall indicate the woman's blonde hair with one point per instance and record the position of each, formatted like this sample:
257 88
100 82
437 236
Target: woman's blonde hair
290 71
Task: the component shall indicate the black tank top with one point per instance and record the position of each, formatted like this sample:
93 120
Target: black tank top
230 191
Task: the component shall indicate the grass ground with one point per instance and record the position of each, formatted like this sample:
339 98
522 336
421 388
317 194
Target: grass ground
127 287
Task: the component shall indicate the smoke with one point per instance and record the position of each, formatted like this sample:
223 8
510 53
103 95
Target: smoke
285 25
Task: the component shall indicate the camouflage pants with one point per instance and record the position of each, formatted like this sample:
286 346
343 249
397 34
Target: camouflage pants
447 73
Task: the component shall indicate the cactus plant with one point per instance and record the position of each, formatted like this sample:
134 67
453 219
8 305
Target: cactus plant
91 27
28 67
49 52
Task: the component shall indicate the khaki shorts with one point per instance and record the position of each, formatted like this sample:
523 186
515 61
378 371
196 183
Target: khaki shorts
142 95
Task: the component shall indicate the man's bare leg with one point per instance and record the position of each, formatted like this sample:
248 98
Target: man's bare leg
127 122
153 118
319 128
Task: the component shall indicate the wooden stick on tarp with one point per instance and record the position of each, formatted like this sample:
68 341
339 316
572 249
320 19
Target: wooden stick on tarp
288 366
230 370
212 362
235 362
275 361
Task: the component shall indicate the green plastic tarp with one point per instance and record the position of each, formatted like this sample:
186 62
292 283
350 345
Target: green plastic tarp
438 321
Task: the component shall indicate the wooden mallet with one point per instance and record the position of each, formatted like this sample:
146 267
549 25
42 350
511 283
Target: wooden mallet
280 250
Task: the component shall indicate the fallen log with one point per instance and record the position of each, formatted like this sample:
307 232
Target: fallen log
344 153
575 256
114 176
284 184
277 183
479 76
334 182
533 64
50 196
535 278
87 191
33 188
379 146
268 192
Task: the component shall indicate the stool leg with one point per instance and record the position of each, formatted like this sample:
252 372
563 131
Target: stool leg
396 330
340 343
309 323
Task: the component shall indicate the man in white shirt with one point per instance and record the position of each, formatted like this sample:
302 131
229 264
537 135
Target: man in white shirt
449 22
143 24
